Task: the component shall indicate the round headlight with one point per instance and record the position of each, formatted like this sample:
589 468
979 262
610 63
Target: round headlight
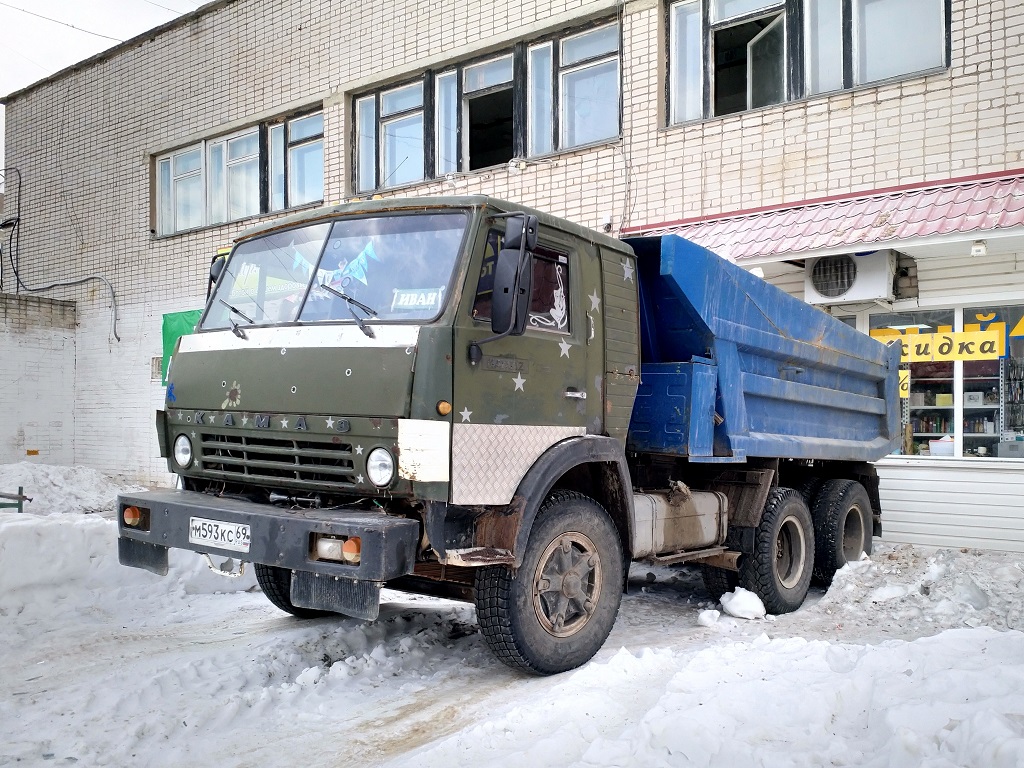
380 467
182 451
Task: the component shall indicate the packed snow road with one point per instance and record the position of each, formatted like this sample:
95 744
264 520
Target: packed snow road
912 658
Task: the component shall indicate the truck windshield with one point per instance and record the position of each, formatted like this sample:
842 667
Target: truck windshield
393 267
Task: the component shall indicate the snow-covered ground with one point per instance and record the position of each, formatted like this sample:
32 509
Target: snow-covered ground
913 658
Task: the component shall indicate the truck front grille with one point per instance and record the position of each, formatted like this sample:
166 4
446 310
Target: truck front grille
276 460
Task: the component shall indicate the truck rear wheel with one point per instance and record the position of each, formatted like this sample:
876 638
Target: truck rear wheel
779 570
842 527
718 581
276 584
555 612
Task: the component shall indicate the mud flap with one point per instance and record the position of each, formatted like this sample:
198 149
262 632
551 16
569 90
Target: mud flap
140 554
359 599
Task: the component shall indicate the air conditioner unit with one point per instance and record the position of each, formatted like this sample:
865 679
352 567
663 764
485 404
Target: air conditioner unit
850 278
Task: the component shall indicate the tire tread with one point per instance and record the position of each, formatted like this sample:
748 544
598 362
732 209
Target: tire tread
494 600
757 569
829 506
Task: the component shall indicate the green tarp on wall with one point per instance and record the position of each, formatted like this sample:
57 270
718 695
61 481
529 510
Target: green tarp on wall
176 325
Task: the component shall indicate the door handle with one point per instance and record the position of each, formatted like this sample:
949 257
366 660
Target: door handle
575 395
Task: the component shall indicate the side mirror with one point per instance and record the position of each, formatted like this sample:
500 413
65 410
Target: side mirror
216 267
518 228
510 300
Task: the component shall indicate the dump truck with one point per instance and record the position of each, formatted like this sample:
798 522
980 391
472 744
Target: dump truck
464 397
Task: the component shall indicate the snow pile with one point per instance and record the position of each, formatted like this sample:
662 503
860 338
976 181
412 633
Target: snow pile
61 490
72 559
924 592
60 554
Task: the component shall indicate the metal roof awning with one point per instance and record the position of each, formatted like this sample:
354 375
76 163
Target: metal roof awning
963 209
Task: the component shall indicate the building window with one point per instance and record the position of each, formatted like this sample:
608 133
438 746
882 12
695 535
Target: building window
533 100
401 132
728 56
589 87
220 180
297 162
897 37
180 190
488 114
233 177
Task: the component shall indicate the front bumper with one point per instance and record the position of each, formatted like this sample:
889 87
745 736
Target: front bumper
279 537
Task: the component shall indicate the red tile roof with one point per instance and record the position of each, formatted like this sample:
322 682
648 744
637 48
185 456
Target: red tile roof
968 207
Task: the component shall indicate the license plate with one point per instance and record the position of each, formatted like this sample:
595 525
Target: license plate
217 533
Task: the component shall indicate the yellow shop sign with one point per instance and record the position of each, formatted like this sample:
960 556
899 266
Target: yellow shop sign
966 345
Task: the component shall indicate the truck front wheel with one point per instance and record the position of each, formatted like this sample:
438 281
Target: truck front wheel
557 609
779 570
842 527
276 584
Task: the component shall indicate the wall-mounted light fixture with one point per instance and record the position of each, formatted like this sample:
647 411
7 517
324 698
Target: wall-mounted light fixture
979 248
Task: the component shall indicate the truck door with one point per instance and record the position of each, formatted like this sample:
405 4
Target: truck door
527 392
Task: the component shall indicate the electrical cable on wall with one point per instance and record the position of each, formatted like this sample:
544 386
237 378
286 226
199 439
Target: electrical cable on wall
628 201
13 256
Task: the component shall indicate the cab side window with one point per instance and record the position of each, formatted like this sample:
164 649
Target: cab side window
549 297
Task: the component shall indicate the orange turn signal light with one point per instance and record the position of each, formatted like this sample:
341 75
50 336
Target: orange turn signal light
352 549
444 407
136 517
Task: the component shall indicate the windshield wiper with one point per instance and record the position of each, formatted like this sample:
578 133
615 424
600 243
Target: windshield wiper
351 303
234 326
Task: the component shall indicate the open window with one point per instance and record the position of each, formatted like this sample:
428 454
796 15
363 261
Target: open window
728 56
539 97
750 65
487 113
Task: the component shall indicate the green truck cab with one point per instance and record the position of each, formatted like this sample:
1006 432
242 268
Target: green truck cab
435 394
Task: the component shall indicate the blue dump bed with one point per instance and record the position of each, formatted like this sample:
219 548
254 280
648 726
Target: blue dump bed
733 367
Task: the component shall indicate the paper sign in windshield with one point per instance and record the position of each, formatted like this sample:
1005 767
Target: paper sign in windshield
415 299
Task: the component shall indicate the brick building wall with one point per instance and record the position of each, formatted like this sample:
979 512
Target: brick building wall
84 142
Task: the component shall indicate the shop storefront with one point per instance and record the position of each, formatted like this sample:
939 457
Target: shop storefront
941 271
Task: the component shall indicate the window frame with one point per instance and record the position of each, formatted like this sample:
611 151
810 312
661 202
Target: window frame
165 218
425 113
523 105
224 194
288 146
797 67
952 318
167 160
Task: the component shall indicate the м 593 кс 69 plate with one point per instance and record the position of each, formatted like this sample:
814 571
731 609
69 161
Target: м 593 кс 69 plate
219 534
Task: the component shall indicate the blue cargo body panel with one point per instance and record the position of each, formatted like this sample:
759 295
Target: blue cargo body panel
733 367
674 409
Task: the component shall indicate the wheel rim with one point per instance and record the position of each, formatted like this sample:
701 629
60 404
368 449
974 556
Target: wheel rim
790 552
853 534
567 585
